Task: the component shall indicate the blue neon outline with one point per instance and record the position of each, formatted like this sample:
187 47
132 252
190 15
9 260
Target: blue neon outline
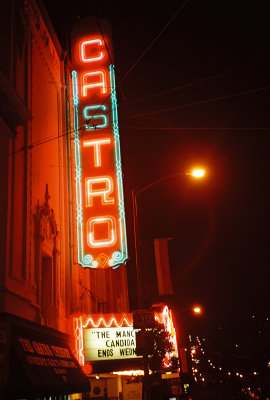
95 116
118 257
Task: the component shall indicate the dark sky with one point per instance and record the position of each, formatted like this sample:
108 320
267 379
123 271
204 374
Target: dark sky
196 92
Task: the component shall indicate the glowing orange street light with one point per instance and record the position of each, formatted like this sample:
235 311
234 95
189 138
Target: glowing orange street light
197 173
197 310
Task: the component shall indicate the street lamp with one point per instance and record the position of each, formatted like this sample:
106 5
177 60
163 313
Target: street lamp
196 173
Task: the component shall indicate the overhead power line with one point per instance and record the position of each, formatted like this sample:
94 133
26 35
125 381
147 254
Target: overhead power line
144 52
30 147
147 128
205 101
187 85
153 41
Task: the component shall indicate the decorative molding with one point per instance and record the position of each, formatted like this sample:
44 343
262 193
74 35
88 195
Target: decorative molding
46 246
44 42
46 227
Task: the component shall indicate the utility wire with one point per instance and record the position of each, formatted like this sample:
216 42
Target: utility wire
153 41
31 146
124 77
195 128
161 128
199 102
187 85
158 128
144 52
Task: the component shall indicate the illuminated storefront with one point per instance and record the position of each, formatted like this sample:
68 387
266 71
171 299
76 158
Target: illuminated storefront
63 242
38 362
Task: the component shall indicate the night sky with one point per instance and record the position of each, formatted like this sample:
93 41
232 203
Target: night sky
193 88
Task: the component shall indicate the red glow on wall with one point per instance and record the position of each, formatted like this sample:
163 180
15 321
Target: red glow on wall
87 369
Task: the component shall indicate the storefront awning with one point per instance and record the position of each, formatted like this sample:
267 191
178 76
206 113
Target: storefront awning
42 365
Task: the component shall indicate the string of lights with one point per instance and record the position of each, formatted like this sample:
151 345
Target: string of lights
206 370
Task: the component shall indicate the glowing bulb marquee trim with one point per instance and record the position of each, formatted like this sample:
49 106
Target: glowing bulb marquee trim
165 318
116 321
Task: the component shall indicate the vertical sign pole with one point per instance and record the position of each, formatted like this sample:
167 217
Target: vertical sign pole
137 244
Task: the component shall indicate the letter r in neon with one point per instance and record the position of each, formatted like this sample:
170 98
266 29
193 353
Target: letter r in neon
107 187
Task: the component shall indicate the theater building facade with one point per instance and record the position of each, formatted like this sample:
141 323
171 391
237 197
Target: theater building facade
63 237
66 330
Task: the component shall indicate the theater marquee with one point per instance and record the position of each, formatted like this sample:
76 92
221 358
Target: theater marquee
105 337
101 229
109 343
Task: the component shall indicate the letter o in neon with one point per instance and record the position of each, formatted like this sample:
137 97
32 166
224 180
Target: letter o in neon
111 229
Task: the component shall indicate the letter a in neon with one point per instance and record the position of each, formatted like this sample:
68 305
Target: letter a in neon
93 80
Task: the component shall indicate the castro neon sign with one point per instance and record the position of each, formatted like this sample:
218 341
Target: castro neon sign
101 229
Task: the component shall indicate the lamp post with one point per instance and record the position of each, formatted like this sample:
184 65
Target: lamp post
195 173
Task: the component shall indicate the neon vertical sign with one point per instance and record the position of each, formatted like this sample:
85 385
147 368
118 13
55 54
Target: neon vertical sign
101 228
